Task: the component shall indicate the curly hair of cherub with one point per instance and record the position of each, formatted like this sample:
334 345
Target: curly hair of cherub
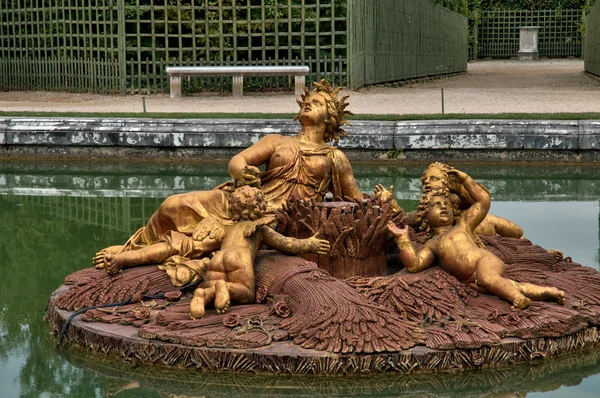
423 207
245 197
336 109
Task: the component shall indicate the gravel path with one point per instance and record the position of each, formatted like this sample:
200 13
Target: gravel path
487 87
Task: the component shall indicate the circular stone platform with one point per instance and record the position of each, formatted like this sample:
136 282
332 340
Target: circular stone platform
123 341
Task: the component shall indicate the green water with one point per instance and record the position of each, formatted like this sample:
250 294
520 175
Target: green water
55 216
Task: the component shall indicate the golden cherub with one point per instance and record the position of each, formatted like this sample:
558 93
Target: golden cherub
435 178
229 276
454 246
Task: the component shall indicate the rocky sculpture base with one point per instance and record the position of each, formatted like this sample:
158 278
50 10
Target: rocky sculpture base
124 342
307 322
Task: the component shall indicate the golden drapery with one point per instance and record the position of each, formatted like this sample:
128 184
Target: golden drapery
299 177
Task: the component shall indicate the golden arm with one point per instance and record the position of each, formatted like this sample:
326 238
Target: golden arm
244 166
482 201
413 261
347 181
288 245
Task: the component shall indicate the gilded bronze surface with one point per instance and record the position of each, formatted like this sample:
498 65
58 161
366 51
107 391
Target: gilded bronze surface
301 166
229 275
436 177
455 246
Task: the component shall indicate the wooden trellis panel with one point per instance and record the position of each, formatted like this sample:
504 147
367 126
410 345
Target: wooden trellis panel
392 40
233 32
124 45
63 45
559 33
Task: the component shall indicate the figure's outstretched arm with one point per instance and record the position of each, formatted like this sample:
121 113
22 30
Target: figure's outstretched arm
413 261
244 166
475 214
347 182
287 245
504 227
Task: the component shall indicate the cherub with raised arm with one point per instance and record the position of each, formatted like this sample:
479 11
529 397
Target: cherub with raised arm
453 245
229 276
435 178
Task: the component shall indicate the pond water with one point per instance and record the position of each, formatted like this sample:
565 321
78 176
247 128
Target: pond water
55 216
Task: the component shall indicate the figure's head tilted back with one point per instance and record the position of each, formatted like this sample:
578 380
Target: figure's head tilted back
247 203
435 177
335 109
435 210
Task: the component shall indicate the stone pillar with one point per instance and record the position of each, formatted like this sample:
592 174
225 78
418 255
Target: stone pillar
238 86
528 43
175 86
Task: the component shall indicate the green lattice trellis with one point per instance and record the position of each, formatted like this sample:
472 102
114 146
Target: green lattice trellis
559 33
592 40
66 45
124 46
234 32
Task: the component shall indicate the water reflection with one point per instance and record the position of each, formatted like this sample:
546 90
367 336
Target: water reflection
55 216
516 381
528 183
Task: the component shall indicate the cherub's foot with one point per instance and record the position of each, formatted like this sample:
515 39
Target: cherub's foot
554 294
98 259
557 254
197 304
222 299
522 303
184 275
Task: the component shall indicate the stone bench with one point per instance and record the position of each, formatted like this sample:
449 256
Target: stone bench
238 72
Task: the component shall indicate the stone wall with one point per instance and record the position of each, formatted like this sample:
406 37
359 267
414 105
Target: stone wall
211 138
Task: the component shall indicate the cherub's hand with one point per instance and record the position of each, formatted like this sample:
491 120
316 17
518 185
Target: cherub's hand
461 176
319 246
250 176
398 232
380 192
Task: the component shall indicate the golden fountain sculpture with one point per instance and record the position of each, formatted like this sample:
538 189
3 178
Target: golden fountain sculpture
332 300
217 234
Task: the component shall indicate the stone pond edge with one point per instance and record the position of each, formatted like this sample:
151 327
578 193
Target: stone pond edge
524 139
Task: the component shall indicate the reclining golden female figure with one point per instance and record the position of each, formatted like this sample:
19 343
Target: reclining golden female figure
453 246
303 166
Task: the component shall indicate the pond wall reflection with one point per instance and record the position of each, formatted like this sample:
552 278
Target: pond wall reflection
524 183
55 217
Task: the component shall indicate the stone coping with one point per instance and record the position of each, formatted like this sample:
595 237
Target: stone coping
206 134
